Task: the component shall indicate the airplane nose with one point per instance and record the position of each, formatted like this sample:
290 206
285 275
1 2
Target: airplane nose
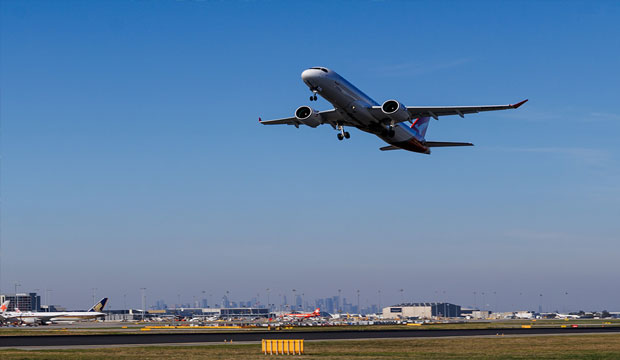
307 74
311 74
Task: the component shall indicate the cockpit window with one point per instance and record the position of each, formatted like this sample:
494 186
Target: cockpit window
320 68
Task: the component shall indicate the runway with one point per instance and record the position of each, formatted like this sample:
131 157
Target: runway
206 338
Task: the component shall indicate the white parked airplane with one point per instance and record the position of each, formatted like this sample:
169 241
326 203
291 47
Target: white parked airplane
38 317
566 316
354 108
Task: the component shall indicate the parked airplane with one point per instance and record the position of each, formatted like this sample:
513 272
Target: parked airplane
356 109
38 317
566 316
315 313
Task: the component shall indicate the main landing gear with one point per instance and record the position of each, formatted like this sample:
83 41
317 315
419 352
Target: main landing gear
313 97
343 134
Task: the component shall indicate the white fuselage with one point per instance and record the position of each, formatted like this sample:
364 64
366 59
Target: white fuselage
35 316
353 104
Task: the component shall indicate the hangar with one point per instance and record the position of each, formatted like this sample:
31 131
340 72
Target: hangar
421 310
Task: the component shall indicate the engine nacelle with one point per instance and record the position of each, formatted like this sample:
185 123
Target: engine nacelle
395 111
308 116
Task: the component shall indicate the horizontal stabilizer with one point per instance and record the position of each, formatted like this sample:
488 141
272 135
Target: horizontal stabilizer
391 147
445 143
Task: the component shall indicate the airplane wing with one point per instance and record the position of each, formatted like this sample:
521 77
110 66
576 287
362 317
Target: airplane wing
327 117
436 111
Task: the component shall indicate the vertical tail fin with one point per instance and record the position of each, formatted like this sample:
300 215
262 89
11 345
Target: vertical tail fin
4 306
98 307
420 125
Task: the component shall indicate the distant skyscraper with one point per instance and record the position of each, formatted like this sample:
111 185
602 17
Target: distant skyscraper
298 302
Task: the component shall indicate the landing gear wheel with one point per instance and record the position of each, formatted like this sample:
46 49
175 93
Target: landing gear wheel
391 132
315 98
311 98
340 137
347 135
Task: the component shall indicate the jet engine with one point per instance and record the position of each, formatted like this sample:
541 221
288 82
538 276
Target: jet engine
308 116
395 111
30 321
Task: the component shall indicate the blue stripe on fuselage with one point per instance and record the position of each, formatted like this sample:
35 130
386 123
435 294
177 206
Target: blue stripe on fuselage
360 93
411 131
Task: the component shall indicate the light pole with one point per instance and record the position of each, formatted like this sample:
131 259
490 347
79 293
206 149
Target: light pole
339 300
268 303
124 306
379 291
38 304
402 301
143 302
203 295
48 298
17 284
359 311
94 290
540 309
294 300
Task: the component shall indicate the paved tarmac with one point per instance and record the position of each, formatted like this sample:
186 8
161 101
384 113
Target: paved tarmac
211 338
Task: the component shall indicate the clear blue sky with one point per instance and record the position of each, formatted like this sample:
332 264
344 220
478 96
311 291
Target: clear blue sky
132 156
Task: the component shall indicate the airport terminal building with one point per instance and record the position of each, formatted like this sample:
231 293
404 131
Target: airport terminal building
421 311
219 313
23 301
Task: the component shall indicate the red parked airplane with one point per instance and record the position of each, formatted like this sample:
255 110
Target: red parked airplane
315 313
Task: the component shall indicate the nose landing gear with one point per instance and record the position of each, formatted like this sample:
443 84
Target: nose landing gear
314 89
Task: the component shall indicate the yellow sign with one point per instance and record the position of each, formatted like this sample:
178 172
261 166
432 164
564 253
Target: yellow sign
283 347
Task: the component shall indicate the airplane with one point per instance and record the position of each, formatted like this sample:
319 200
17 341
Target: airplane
566 316
37 317
353 108
315 313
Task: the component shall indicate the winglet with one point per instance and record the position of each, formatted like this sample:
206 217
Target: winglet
261 120
514 106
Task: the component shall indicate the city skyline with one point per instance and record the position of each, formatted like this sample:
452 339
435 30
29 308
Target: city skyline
340 302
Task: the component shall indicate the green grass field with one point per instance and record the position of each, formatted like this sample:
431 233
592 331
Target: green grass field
529 347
